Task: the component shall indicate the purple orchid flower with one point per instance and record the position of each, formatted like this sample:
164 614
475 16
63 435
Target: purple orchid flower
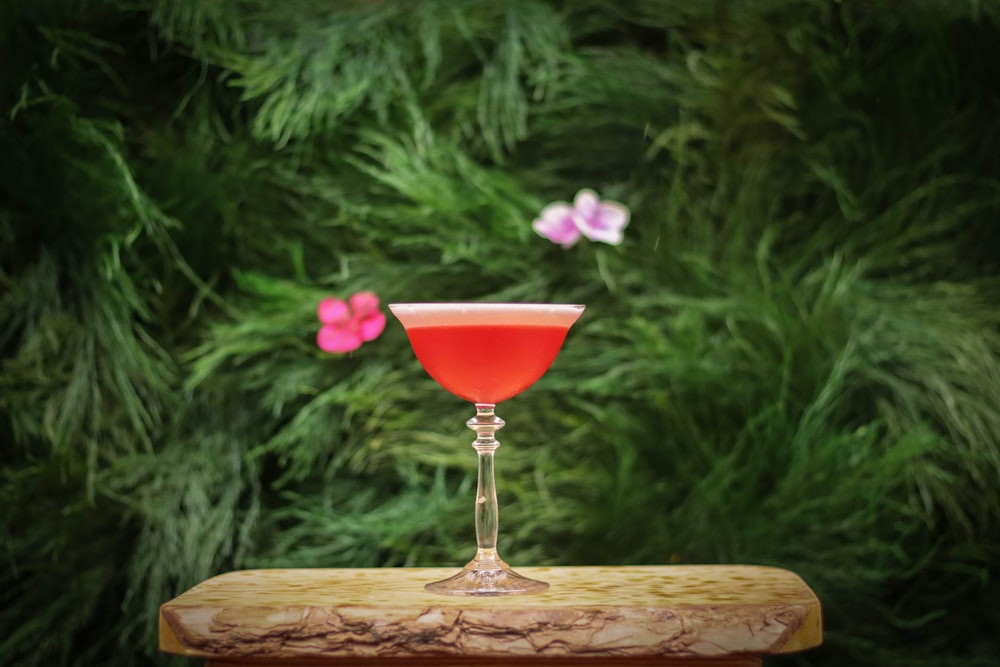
590 217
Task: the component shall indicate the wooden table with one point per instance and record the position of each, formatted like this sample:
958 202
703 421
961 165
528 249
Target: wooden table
705 616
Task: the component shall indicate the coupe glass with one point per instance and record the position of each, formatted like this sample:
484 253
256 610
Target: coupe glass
486 353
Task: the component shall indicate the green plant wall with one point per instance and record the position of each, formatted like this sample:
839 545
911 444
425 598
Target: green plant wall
791 359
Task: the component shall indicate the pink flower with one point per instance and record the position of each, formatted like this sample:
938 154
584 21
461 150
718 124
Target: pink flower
346 325
588 216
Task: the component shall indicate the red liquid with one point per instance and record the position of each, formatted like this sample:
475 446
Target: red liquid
486 363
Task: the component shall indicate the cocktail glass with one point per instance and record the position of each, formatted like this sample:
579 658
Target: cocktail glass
486 353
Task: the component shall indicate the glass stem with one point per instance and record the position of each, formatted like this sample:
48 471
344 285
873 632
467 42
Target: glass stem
486 424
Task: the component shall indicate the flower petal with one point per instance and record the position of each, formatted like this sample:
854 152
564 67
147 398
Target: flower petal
371 327
333 311
332 338
586 203
364 303
557 225
605 222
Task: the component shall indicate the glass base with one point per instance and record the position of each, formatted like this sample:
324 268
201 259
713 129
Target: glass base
489 579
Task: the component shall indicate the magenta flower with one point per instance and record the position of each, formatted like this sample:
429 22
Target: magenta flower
346 325
597 220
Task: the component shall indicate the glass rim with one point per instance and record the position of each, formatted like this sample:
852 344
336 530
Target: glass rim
486 312
482 305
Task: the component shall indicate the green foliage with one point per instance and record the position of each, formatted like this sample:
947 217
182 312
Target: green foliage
793 358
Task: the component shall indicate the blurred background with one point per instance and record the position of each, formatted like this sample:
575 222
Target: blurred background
791 359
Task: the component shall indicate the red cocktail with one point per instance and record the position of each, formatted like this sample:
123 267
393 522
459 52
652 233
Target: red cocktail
456 356
486 353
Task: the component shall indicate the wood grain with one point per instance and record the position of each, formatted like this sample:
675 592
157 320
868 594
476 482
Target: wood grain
348 616
662 661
